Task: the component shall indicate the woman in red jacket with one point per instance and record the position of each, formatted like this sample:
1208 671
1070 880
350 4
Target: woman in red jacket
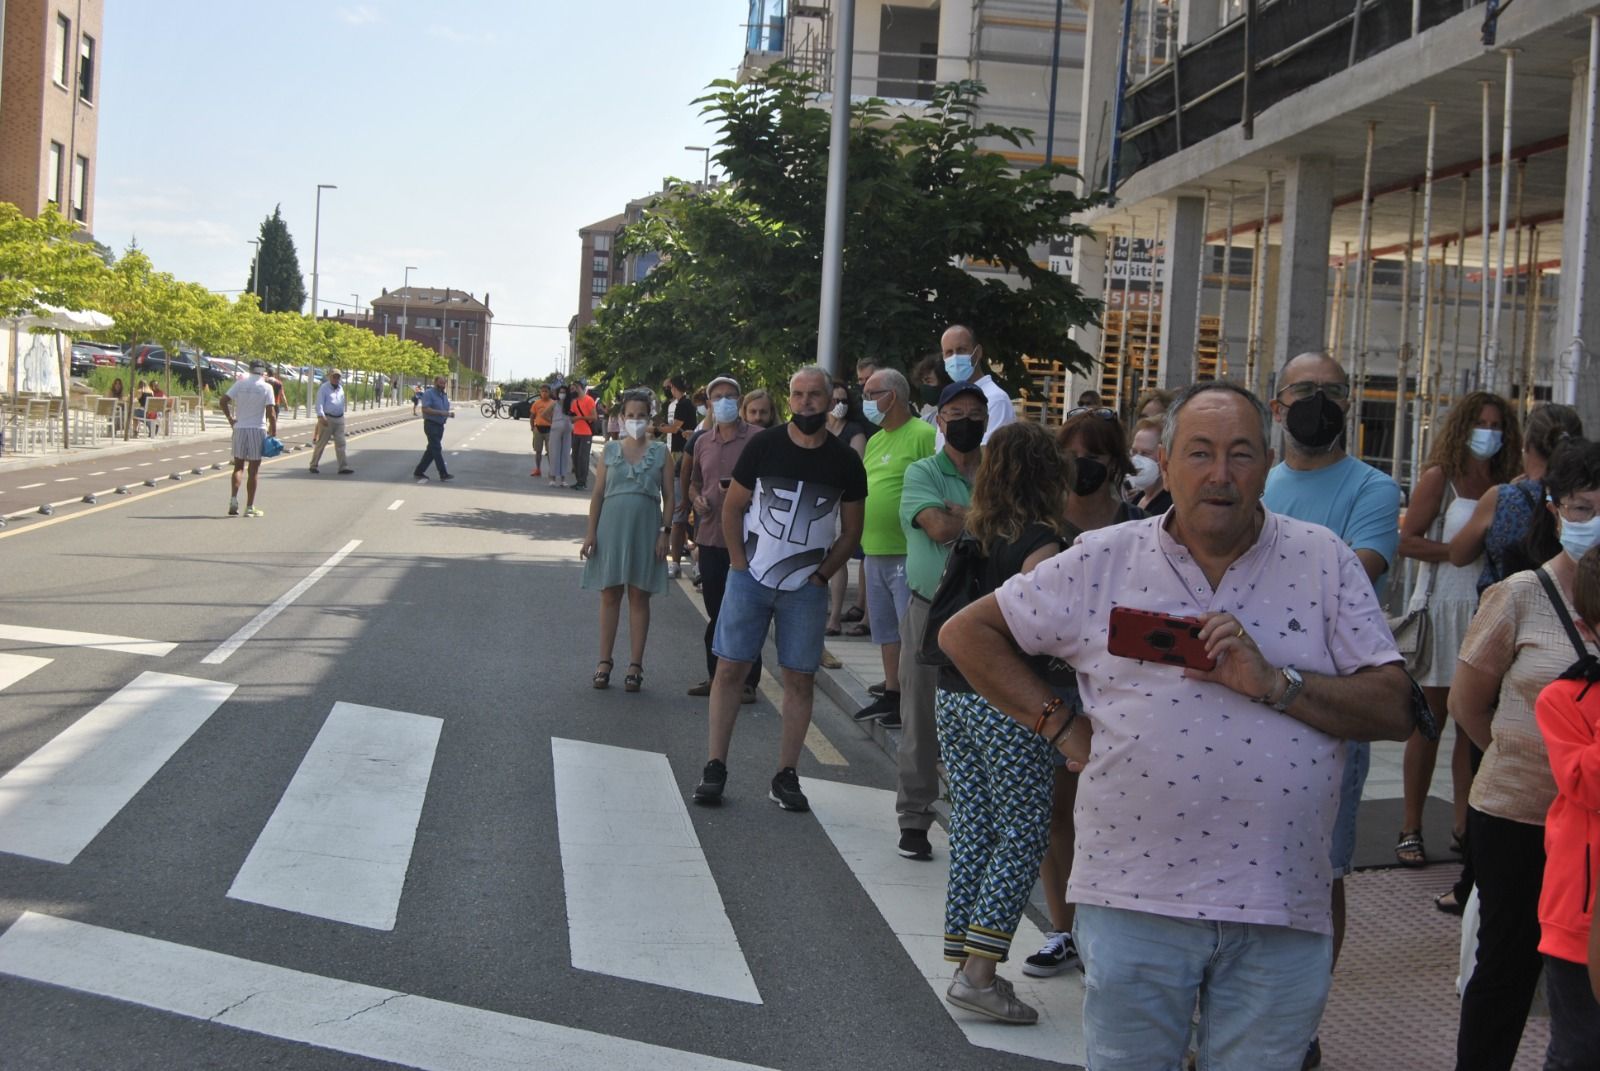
1569 720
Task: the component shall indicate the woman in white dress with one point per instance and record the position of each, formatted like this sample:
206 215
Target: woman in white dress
1478 447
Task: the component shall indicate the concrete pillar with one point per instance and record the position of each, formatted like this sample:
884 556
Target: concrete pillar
1197 20
1300 319
955 40
1572 307
1099 91
1185 235
1089 273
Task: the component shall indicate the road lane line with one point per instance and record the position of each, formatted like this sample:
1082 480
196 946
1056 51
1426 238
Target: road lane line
226 648
66 479
911 896
339 842
145 464
57 637
14 667
641 901
102 472
30 486
397 503
57 800
331 1014
122 468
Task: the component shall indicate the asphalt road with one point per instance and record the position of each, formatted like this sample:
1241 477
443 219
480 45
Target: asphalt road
456 607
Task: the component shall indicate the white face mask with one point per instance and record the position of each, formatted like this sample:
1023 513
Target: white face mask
839 410
1145 473
635 428
1485 443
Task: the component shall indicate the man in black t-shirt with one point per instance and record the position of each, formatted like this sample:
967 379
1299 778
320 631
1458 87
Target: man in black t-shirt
791 518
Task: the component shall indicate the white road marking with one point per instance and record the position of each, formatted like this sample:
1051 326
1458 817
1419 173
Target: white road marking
145 464
363 1020
122 468
911 896
102 472
57 800
29 486
397 503
56 637
226 648
338 844
14 667
641 901
66 479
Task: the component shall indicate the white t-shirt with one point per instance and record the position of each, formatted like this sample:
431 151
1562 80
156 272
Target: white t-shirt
251 396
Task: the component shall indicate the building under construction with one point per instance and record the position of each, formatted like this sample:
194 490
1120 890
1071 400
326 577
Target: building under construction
1406 184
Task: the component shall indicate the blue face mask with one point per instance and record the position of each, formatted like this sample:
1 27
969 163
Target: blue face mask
959 365
1485 443
870 410
725 409
1578 536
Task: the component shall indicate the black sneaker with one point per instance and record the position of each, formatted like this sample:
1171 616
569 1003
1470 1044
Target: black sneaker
881 707
914 844
876 689
447 476
786 790
1057 954
890 720
708 793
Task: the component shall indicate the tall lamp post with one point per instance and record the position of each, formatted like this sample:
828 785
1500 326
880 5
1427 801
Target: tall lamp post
706 178
316 241
357 307
255 267
405 308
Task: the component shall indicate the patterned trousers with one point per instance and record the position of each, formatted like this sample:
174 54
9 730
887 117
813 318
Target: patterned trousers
1000 782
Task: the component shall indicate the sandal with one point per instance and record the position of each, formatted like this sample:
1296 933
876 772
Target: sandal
855 613
863 629
633 681
602 677
1446 902
1408 850
832 631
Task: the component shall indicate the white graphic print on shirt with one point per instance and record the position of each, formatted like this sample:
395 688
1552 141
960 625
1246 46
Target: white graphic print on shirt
788 529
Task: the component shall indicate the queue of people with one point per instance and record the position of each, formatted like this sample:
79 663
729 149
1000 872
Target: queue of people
1158 686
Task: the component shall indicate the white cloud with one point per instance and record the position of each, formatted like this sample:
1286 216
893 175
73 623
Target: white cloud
359 15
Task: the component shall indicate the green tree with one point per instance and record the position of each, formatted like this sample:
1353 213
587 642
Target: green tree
282 288
42 262
738 283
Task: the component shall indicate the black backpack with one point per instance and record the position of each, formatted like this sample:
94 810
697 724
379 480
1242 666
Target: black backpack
964 581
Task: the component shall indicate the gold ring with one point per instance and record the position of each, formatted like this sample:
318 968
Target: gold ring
1240 633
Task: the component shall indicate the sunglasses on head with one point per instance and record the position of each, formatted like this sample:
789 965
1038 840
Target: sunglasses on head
1099 411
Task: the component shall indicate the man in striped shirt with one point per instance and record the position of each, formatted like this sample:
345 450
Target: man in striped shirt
255 419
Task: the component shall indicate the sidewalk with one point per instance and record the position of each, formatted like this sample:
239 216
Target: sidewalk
1394 1005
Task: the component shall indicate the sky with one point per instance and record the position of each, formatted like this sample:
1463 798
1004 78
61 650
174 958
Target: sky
470 139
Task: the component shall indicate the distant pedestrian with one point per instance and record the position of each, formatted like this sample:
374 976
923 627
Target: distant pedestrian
435 411
560 438
416 400
582 409
757 408
539 421
777 520
330 422
965 363
626 544
257 417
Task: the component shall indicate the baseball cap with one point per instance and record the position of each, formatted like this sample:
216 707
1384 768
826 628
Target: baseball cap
723 379
956 390
258 365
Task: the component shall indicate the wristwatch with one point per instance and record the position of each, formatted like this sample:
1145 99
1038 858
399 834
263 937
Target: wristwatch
1296 682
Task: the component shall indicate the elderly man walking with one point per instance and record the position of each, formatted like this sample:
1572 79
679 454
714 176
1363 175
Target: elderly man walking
330 422
435 411
901 440
253 414
1208 796
778 521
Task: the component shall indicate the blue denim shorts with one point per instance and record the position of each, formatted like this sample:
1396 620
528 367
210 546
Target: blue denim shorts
749 607
1357 760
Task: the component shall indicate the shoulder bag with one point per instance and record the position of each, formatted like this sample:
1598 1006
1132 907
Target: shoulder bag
1413 632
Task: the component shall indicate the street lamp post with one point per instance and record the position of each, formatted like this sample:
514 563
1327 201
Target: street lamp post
706 178
357 307
255 268
316 241
405 308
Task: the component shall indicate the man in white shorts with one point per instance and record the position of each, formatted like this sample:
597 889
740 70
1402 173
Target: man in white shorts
257 417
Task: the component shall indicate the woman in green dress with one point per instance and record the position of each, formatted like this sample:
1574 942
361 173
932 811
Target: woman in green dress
626 545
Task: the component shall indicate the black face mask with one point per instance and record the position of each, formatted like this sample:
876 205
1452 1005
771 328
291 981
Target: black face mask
930 393
809 423
964 436
1091 476
1315 423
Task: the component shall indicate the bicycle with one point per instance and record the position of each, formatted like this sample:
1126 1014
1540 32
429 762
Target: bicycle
494 407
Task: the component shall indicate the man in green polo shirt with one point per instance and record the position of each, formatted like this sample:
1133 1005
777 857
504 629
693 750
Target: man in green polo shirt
933 509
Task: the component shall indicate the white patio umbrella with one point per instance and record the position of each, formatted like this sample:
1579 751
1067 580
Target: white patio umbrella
54 318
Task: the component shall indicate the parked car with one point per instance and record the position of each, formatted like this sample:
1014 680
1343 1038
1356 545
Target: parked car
87 356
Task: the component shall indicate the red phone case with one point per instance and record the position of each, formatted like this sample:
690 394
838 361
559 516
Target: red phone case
1156 637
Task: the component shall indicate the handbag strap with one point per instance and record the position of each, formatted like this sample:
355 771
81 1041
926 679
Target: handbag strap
1561 612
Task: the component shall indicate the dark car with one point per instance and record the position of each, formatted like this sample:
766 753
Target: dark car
87 356
152 360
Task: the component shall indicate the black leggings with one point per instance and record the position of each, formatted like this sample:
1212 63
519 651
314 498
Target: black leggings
713 582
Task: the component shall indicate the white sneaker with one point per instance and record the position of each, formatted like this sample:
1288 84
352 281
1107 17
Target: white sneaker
673 571
233 507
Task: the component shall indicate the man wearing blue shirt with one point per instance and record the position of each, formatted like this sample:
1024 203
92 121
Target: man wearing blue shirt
435 411
1318 481
330 422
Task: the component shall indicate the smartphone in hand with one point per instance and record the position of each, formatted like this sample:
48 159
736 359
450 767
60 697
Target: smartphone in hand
1156 637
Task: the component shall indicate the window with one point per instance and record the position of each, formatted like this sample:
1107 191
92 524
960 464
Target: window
602 243
86 69
63 51
58 157
599 284
594 301
602 265
80 188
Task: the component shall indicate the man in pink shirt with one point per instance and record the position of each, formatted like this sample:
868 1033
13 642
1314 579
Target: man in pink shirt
1208 798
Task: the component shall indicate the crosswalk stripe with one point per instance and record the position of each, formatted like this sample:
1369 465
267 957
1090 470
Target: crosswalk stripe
57 800
362 1020
641 902
14 667
339 842
862 824
56 637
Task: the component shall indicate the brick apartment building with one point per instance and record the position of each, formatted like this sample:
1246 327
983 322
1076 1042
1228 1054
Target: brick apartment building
49 95
599 268
452 323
